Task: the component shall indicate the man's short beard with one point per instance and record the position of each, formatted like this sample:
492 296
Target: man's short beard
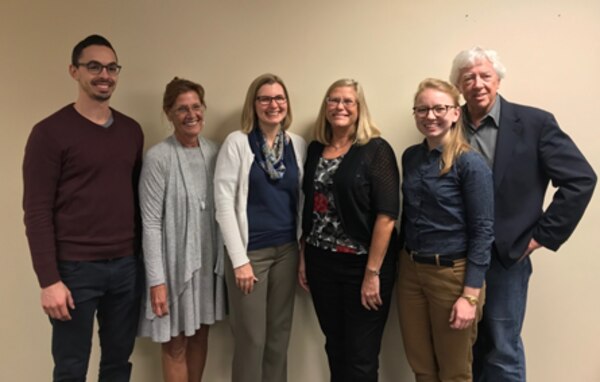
101 98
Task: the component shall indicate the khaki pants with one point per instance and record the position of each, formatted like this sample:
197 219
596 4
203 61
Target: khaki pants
426 294
261 321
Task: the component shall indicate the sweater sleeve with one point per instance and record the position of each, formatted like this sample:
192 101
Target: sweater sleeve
152 188
41 174
137 169
300 152
385 181
227 173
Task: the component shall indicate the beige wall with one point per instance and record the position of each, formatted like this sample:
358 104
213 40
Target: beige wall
550 47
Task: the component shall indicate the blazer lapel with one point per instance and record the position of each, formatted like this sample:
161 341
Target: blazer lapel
509 133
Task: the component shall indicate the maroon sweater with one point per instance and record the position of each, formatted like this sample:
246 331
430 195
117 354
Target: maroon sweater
80 185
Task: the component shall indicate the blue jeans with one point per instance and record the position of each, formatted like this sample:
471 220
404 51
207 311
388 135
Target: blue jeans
109 289
498 353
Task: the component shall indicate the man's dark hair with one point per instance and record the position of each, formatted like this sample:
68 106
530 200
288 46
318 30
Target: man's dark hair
94 39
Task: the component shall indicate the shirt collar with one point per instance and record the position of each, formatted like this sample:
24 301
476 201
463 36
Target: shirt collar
425 147
494 114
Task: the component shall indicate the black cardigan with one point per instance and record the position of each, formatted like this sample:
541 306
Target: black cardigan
366 183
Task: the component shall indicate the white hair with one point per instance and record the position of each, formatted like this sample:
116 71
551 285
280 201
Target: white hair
470 57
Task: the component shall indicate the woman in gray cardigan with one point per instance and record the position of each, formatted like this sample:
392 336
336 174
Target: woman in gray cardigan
183 252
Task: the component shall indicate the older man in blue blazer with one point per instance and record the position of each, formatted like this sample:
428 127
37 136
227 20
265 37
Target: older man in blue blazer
526 150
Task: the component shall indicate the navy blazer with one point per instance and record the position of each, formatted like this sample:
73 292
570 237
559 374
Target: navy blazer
531 151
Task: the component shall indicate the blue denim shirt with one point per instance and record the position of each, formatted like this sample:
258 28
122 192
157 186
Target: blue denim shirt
450 213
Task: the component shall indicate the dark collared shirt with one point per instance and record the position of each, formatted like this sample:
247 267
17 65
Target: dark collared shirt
451 213
483 137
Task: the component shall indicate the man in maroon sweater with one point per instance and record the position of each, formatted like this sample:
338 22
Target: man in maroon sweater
80 175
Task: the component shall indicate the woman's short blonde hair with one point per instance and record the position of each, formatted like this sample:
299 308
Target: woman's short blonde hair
249 111
365 128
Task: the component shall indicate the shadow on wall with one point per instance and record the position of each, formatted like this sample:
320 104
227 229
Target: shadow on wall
228 124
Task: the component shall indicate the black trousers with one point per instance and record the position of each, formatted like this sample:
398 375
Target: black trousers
353 333
111 290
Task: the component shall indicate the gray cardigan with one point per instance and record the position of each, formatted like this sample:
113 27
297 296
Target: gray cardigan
170 217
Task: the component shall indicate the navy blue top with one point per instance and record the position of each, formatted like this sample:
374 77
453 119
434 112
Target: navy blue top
451 213
273 204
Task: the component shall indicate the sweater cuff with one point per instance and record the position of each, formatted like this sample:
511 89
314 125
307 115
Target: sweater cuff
47 274
238 259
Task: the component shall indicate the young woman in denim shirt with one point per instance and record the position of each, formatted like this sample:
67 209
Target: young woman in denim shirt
447 231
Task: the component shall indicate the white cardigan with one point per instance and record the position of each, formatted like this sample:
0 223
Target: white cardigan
231 191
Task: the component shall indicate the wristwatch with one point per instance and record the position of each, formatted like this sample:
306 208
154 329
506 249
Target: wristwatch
471 299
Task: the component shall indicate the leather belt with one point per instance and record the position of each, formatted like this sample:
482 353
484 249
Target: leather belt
439 259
